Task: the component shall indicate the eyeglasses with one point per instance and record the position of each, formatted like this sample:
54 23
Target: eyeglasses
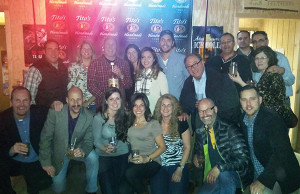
258 41
261 58
192 66
226 42
206 111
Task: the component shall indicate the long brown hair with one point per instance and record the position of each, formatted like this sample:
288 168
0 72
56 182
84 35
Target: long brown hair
155 67
176 111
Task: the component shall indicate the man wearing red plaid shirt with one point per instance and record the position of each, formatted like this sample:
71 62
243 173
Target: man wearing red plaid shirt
100 71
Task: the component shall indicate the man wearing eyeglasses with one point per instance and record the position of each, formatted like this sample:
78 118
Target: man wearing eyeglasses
222 148
260 38
203 82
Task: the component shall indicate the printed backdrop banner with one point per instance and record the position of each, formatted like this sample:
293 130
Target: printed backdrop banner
129 21
212 45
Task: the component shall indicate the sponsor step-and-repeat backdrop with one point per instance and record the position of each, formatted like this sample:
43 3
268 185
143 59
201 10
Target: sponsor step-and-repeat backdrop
129 21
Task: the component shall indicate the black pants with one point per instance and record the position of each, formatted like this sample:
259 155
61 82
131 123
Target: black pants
135 176
35 177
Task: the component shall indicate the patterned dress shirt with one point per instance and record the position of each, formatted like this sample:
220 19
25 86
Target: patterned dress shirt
100 71
258 168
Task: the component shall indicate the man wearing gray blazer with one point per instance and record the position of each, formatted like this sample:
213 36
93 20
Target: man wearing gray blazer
67 134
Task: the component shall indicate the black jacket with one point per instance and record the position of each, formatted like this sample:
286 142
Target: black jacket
273 150
218 88
9 134
232 147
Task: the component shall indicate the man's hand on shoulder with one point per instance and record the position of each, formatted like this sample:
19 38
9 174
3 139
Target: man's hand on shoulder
50 170
183 117
257 188
212 175
276 69
57 105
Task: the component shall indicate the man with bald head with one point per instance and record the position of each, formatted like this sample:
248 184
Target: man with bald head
223 149
68 135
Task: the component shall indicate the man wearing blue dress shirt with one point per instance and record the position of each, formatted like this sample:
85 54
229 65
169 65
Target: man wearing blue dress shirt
20 128
260 38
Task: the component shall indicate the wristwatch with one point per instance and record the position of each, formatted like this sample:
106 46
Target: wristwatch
181 166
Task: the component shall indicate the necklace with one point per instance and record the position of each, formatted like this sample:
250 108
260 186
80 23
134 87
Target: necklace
138 123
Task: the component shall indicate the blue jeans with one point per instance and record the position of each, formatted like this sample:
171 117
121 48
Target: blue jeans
91 163
226 183
161 182
111 172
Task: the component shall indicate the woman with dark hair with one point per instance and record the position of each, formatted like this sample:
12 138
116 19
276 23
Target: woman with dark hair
173 176
78 73
113 154
270 85
144 132
150 79
133 57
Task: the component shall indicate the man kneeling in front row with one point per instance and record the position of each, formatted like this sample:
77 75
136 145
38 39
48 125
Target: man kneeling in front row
67 134
276 169
224 151
20 129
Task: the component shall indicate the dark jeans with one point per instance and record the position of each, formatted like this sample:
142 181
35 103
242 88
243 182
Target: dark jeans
161 182
34 175
135 176
111 172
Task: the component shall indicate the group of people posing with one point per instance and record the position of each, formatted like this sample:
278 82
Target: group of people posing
139 133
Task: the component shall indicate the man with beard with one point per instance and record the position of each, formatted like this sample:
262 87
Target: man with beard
224 151
276 169
66 135
172 63
101 70
20 129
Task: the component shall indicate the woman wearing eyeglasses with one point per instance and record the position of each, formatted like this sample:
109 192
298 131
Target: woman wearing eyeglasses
270 85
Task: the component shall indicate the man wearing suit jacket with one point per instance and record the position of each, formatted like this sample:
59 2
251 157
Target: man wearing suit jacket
71 125
20 129
205 82
276 169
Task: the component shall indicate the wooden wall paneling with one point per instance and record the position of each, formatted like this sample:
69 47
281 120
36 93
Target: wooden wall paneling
291 33
285 37
295 133
280 34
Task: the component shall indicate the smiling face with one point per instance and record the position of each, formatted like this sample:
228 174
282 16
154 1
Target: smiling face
20 103
166 43
194 66
261 61
132 55
114 102
147 59
250 102
74 100
207 112
139 109
110 49
86 51
227 44
51 52
166 108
